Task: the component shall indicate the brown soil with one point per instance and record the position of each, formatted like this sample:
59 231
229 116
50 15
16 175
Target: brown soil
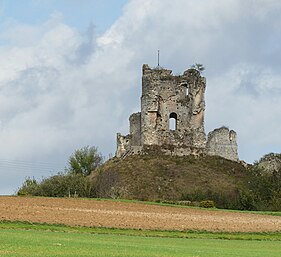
95 213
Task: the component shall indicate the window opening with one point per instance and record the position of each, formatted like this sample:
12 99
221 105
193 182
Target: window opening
173 121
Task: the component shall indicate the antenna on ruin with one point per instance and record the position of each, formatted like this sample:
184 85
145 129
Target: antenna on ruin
158 62
158 57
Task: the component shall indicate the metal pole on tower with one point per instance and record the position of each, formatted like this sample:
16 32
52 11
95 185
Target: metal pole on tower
158 59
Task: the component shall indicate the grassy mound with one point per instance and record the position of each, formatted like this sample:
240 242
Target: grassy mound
161 177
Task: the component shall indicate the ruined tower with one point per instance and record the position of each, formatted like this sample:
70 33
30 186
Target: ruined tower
172 115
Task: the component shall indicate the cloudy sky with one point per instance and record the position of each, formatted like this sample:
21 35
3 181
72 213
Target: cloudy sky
70 73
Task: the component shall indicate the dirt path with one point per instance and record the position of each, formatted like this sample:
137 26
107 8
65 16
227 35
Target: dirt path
131 215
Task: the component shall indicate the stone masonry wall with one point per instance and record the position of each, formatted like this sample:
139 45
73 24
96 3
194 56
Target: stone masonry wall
165 97
222 142
123 145
179 100
135 129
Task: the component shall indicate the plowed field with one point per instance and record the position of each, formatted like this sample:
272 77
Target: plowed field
98 213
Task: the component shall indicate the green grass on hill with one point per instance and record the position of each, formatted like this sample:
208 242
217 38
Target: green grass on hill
32 242
157 177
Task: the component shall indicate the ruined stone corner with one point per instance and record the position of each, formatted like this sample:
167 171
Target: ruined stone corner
123 144
223 142
131 143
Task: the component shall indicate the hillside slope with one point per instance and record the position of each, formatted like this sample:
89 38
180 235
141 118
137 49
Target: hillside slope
160 177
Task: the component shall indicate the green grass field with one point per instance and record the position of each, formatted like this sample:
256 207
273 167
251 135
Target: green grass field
272 213
23 239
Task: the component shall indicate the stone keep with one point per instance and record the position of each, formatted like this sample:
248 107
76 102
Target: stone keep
171 118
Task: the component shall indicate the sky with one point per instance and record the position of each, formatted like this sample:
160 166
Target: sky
70 73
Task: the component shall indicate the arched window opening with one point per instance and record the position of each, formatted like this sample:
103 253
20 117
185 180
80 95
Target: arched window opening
173 121
185 85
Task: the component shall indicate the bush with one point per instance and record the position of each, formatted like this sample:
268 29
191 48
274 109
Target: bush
276 201
59 185
246 200
263 192
207 204
107 185
223 200
29 187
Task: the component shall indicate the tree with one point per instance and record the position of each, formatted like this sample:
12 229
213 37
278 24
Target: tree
29 187
85 160
198 66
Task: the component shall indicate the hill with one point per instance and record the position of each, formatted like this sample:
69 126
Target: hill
161 177
185 180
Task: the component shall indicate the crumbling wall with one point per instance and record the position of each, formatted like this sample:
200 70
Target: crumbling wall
165 97
135 129
130 144
123 145
222 142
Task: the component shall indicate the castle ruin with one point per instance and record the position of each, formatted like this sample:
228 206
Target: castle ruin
172 118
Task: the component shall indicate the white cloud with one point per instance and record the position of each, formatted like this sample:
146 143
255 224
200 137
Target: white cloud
247 99
60 90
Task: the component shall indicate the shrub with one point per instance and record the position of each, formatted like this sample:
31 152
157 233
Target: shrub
223 199
207 204
59 185
107 185
275 202
29 187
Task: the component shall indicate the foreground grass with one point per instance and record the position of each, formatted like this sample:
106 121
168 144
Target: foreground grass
47 243
262 236
28 239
